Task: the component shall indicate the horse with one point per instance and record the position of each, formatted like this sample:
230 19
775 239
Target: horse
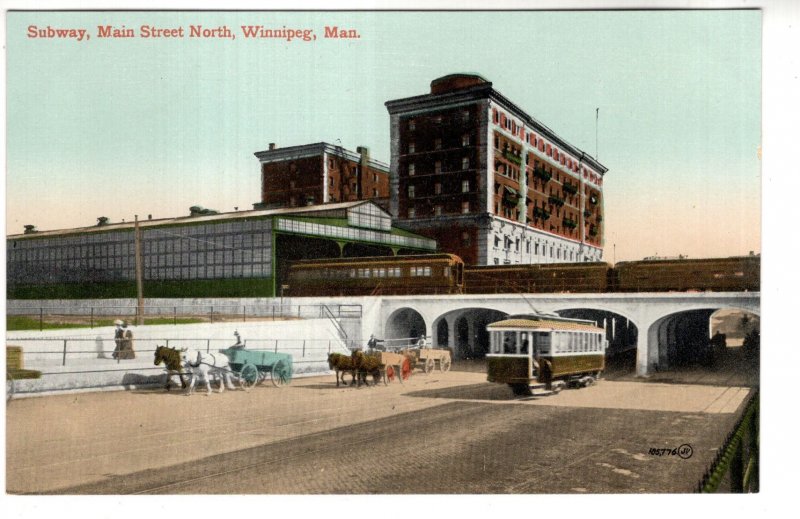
172 362
203 363
341 364
366 365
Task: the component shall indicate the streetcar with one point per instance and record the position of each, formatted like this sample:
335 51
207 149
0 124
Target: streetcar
544 352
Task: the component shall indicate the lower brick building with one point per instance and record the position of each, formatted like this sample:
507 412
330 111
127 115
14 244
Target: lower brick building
320 173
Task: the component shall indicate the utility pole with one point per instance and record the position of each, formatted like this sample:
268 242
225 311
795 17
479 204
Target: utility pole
139 285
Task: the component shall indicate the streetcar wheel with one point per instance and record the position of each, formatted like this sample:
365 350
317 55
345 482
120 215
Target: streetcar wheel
280 374
405 370
429 365
9 387
249 375
444 364
521 389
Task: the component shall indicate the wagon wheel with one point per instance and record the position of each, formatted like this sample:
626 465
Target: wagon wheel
405 369
280 374
444 364
390 373
429 365
249 375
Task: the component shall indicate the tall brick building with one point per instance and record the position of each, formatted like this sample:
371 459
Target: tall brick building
320 173
489 182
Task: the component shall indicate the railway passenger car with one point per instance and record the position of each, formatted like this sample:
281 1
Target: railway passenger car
540 278
734 274
544 351
382 275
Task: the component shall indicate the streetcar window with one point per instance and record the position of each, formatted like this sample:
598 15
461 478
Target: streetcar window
541 342
509 342
524 342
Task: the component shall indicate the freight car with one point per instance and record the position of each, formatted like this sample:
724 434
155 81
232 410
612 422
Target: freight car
735 274
382 275
540 278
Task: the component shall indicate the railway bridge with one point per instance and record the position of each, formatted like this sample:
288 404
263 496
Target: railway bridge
663 328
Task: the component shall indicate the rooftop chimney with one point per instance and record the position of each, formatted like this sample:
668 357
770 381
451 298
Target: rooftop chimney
271 146
30 229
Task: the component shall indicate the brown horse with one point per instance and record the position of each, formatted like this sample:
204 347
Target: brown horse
341 364
172 362
366 365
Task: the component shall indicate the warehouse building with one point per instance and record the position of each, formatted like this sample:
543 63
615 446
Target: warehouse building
205 254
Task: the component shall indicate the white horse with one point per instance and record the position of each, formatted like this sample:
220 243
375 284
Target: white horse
204 364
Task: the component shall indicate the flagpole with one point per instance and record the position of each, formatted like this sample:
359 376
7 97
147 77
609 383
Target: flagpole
596 122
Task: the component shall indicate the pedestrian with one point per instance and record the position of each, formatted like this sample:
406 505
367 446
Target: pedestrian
119 336
127 343
421 342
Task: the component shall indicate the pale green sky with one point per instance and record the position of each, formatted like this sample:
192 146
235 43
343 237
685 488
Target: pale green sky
122 127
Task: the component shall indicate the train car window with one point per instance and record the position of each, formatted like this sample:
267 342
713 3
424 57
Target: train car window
446 272
427 271
352 273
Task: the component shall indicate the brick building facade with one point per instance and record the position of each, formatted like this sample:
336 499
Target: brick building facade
320 173
488 181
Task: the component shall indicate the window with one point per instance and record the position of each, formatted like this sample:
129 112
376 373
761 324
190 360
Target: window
465 115
412 148
437 210
437 188
464 207
412 124
437 166
374 191
465 139
465 238
411 169
437 119
410 191
437 144
465 186
375 177
411 212
465 163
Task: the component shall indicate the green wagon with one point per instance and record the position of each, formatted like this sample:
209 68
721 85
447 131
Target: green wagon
255 366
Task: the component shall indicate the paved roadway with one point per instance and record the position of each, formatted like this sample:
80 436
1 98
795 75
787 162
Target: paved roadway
440 433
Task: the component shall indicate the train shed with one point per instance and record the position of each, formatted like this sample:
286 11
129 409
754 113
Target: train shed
205 254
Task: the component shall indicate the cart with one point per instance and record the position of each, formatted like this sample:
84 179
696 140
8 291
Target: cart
398 365
428 357
254 366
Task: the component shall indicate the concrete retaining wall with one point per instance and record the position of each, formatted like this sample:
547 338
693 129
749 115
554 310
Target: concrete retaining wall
81 358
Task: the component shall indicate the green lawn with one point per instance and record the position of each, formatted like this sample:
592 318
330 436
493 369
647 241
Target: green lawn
21 322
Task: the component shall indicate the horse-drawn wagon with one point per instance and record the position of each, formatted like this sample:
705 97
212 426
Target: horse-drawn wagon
427 358
396 364
254 366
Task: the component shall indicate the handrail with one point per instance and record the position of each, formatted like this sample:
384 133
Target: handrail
326 312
